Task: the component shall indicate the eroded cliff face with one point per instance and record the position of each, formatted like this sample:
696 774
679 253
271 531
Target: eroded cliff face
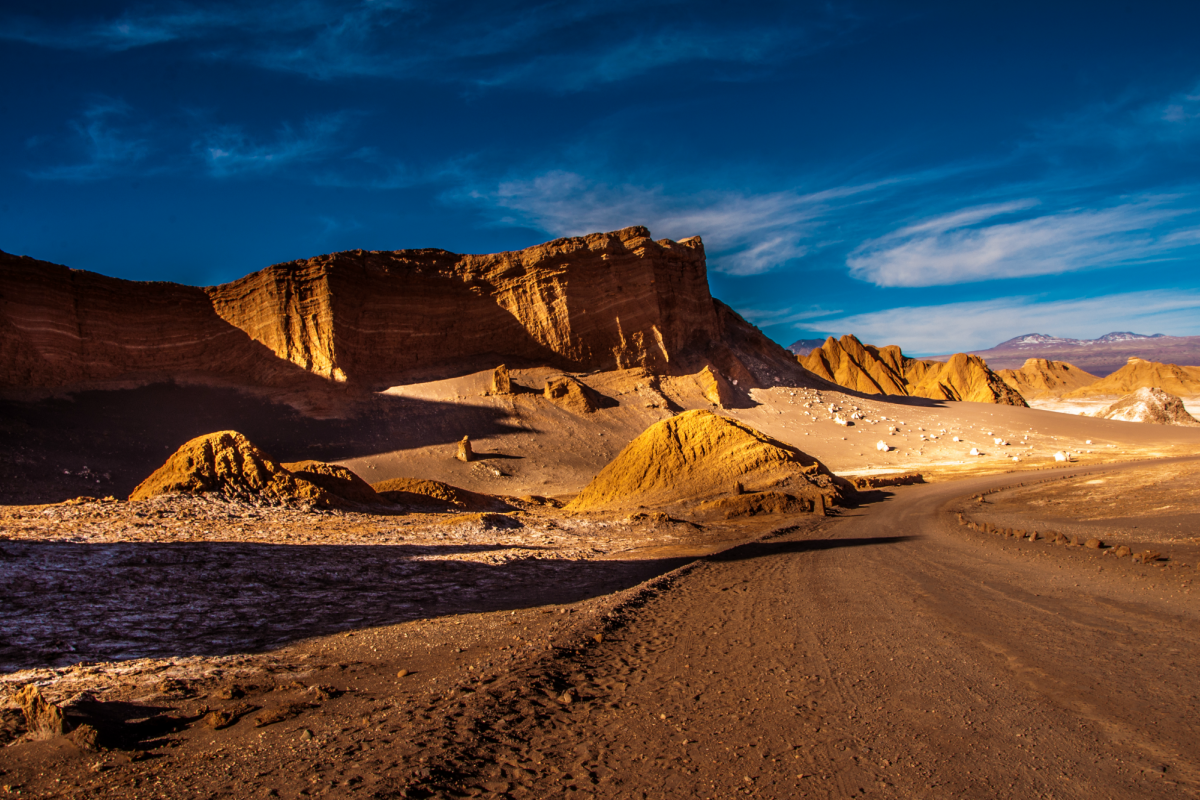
885 370
605 301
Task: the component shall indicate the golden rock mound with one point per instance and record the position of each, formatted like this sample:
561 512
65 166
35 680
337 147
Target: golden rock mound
885 370
436 496
1140 374
699 457
227 463
1040 378
337 480
572 395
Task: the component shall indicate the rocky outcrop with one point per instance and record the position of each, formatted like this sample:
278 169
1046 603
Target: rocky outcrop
336 480
868 369
715 388
227 464
1140 374
699 457
423 495
369 318
1150 405
1041 378
571 394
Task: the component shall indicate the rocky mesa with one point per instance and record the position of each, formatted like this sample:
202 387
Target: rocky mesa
372 318
1042 378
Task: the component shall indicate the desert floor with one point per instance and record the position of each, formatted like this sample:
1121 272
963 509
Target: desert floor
887 650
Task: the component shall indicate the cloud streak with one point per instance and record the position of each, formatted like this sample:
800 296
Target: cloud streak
745 234
557 45
985 243
108 148
977 325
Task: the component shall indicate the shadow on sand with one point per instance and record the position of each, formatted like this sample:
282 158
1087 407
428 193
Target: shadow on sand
69 602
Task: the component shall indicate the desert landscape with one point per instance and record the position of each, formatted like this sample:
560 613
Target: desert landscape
637 552
396 401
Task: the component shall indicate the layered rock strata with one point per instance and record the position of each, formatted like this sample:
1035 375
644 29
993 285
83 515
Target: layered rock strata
1141 374
868 369
605 301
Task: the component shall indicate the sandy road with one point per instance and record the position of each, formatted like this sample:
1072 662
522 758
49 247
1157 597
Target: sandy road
901 656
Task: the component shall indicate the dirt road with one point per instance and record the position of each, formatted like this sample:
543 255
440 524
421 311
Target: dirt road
886 653
868 663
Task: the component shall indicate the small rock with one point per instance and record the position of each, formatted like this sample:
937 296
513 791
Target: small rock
1122 551
464 450
402 673
1095 544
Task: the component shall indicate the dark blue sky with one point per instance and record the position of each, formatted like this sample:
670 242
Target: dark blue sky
940 176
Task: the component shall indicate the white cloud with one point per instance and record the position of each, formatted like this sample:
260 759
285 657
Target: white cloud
978 325
744 234
956 248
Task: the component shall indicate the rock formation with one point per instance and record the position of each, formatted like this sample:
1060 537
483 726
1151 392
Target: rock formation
696 457
228 464
501 382
336 480
599 302
1140 374
464 452
571 395
425 495
715 388
1150 405
885 370
1040 378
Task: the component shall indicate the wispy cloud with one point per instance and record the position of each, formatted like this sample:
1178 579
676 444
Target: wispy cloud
745 234
108 148
978 325
559 44
961 248
228 150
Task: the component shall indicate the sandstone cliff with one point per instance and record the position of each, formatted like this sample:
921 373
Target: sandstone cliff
1140 374
1040 378
885 370
370 319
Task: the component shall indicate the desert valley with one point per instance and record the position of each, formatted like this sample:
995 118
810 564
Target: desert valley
558 523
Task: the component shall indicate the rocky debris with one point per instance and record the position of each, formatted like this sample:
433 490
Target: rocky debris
501 382
1146 557
1141 374
1151 405
43 719
336 480
464 452
1122 551
571 394
1041 378
755 503
426 495
226 463
694 457
486 520
886 370
864 482
715 387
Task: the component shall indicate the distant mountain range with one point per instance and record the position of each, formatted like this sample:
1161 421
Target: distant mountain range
805 346
1102 356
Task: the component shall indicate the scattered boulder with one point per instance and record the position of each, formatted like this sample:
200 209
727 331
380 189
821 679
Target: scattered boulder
1061 456
1147 557
1150 405
1122 551
882 446
43 719
465 454
571 394
501 382
228 464
694 457
1094 544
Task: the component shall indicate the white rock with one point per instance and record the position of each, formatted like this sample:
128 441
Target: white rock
957 439
1016 458
1061 456
975 452
882 446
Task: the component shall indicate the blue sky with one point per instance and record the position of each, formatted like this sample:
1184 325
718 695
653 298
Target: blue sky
939 176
